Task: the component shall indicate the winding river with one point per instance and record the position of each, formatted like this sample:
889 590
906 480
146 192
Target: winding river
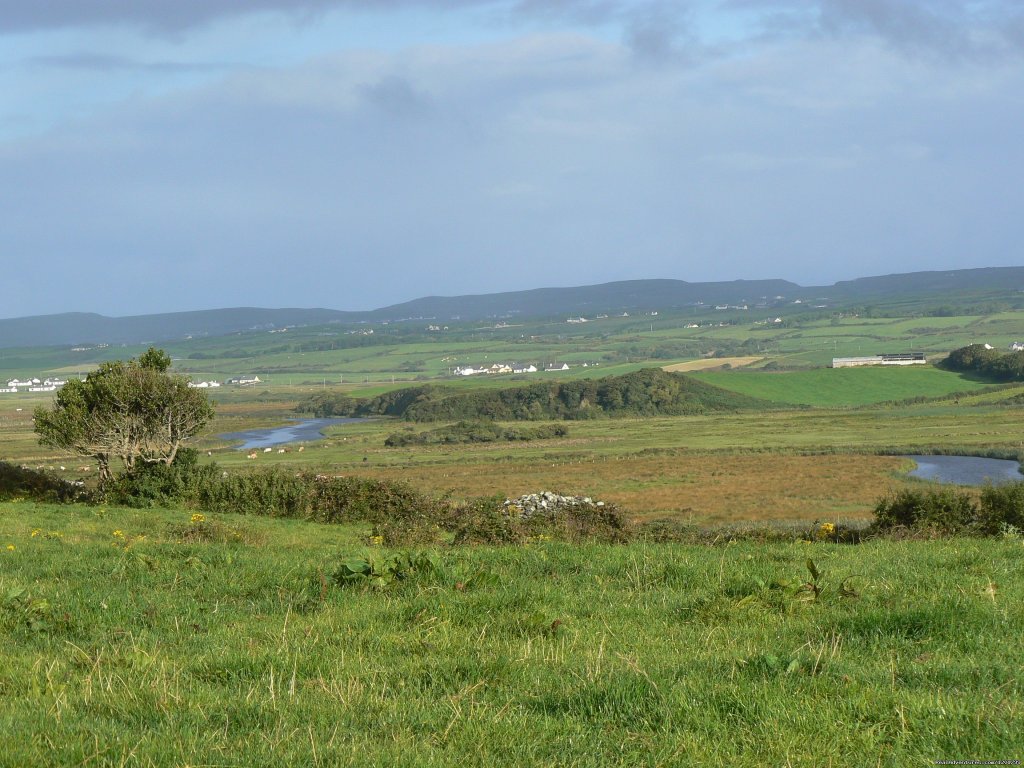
302 430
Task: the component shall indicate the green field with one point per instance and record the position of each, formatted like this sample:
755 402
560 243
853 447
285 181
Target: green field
406 352
149 638
844 387
142 638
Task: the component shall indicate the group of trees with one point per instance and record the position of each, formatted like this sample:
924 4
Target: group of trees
649 392
135 411
985 361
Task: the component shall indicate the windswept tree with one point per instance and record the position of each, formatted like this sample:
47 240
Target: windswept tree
135 411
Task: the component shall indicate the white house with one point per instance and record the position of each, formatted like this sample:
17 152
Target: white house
558 367
1017 346
527 369
244 380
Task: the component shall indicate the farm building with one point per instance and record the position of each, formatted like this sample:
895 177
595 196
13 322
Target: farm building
899 358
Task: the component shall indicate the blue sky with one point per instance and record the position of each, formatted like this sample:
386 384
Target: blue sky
161 156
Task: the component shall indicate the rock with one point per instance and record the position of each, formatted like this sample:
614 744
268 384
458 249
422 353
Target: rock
546 503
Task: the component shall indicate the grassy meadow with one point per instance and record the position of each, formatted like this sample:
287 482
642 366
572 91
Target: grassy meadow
147 638
805 463
169 637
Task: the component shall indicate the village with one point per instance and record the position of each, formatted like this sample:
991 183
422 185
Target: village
15 386
502 368
34 385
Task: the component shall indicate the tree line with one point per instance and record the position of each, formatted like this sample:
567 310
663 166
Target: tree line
987 362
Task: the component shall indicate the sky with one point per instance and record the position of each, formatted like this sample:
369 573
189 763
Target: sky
171 155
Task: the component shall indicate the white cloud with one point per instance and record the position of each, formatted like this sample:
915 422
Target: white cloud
365 177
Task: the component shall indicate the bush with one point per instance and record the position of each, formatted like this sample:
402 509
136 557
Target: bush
23 483
163 485
272 492
1001 506
943 511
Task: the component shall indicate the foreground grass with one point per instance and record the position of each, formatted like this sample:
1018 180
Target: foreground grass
160 646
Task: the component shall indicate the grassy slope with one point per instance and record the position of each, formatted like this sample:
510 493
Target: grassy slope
171 653
840 387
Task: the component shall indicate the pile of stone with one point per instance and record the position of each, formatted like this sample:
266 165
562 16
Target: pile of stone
548 504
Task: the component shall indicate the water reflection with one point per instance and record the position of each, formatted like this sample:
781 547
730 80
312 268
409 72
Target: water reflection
966 470
302 430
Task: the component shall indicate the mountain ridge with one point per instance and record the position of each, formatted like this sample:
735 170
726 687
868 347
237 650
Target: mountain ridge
657 294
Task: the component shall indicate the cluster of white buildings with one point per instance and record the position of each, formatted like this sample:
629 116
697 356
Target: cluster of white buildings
33 385
496 368
203 384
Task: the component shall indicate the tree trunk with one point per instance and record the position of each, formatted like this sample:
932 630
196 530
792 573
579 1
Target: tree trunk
105 474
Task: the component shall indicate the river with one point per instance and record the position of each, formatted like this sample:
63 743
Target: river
966 470
303 430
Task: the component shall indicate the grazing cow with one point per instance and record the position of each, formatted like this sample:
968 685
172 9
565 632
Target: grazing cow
302 448
267 450
280 450
253 455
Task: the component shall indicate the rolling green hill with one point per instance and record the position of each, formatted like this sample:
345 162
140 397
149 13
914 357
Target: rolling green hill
648 392
917 291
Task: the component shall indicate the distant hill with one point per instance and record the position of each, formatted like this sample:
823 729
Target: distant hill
624 296
88 328
648 392
930 283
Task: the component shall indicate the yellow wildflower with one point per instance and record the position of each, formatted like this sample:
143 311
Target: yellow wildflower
198 518
118 534
36 532
10 547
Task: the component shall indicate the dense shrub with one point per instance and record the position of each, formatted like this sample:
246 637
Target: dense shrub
942 510
475 432
322 498
1001 506
991 363
163 485
23 483
948 511
493 521
272 492
648 392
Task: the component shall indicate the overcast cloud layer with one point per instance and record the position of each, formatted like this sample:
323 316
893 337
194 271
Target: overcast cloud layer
163 156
